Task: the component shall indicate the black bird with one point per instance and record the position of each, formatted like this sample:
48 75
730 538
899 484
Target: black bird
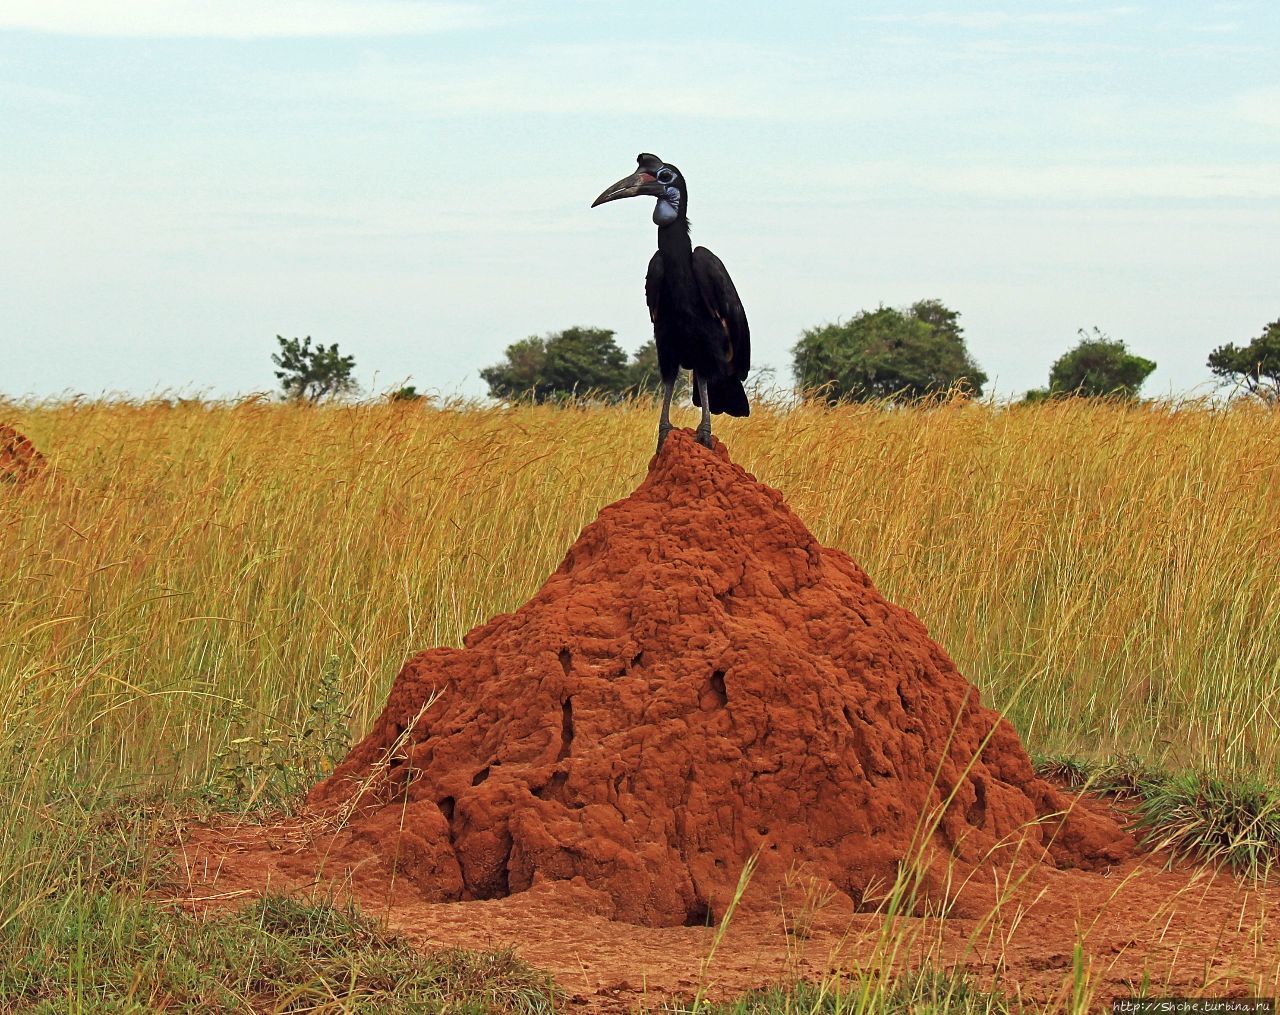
698 320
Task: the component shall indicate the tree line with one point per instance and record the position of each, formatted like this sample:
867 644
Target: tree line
887 354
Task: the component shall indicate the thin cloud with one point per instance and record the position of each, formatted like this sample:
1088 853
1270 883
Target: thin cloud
1064 182
985 20
717 81
20 92
1100 183
1260 106
238 19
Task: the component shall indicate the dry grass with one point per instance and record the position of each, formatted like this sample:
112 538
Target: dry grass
1119 562
1110 574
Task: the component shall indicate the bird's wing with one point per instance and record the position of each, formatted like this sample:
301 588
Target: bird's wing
721 299
653 284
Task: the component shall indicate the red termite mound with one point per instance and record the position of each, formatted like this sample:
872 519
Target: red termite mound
20 462
698 680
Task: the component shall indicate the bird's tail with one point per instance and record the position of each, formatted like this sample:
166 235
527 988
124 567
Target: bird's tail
726 395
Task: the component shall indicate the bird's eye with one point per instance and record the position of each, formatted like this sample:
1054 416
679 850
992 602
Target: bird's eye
666 176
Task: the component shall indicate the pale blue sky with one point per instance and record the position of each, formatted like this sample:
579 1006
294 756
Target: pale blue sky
180 181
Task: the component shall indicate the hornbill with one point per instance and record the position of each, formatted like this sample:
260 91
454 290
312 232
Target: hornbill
698 320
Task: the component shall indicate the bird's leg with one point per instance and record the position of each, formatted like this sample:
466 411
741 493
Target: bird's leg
703 433
664 422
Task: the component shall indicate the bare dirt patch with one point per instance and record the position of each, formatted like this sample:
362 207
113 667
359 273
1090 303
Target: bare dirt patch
1184 930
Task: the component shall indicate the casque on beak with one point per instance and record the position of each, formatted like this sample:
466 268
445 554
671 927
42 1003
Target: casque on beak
640 184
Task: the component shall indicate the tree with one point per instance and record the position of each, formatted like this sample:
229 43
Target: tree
558 366
942 319
1255 367
643 375
405 393
644 378
310 375
522 375
1096 367
887 353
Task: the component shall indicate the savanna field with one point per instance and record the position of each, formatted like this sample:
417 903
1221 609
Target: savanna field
202 606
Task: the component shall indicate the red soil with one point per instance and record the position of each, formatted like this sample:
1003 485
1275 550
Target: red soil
20 462
1183 931
699 680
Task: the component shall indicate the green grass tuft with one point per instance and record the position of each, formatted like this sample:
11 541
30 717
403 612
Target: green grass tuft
1214 819
1070 770
79 933
105 952
265 767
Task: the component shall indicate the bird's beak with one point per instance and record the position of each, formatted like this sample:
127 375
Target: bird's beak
641 184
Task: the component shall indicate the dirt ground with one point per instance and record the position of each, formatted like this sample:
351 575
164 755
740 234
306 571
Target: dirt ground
1181 929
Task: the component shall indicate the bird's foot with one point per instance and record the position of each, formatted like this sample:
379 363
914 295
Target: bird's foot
703 434
663 430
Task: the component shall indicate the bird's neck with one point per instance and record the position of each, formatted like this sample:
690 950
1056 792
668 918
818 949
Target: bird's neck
674 243
677 264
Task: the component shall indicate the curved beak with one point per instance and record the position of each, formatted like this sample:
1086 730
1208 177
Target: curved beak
641 184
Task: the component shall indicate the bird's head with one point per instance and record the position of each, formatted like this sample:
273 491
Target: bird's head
653 178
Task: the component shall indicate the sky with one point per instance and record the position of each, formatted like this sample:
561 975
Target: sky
183 180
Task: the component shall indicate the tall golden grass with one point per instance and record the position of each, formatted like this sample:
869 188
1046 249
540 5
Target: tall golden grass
1109 574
